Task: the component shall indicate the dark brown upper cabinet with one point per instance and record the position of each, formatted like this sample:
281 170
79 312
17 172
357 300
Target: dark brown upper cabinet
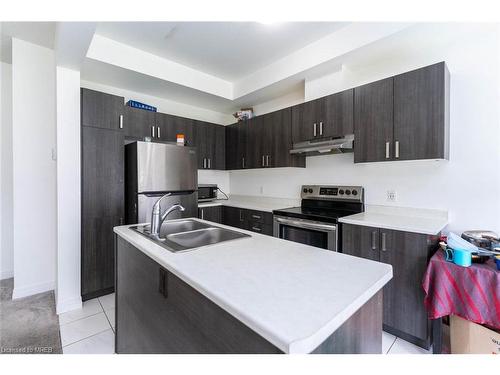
236 151
373 121
169 126
210 141
101 110
262 142
139 123
338 118
330 116
405 117
279 124
421 113
254 143
232 147
306 118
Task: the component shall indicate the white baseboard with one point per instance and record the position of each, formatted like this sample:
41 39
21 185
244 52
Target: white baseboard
68 305
29 290
6 274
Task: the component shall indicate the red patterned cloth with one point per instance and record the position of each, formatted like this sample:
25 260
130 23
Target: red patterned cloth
472 293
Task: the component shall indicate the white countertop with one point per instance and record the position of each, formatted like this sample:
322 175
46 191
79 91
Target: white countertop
293 295
253 203
417 220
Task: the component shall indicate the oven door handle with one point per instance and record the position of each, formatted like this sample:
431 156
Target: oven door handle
306 224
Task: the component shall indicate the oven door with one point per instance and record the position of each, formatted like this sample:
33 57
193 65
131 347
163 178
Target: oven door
309 232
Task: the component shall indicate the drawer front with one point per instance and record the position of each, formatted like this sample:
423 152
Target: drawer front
235 217
260 217
261 228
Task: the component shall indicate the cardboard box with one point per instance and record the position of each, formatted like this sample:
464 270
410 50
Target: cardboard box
472 338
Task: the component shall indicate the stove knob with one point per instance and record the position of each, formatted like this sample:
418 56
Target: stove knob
348 192
354 192
341 192
304 190
310 191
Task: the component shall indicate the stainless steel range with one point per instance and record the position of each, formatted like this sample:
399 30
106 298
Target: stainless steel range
315 222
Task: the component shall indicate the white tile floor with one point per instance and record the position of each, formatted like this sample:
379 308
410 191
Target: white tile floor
90 330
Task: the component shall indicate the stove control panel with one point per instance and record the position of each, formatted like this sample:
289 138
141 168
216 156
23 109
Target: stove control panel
333 192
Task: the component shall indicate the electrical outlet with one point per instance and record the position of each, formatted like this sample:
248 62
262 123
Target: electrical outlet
261 190
391 196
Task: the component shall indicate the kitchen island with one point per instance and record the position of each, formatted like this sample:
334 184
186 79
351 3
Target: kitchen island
253 295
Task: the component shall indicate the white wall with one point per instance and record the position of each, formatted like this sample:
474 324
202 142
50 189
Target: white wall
288 100
34 171
6 189
465 185
68 190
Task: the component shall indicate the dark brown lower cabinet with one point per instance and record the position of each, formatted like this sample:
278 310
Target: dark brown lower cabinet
234 217
157 312
211 213
408 253
252 220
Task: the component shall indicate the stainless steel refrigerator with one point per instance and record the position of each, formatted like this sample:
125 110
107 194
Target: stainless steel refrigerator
154 169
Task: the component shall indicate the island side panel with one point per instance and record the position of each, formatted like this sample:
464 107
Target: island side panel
156 312
361 333
159 313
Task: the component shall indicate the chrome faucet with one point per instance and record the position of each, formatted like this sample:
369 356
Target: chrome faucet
157 218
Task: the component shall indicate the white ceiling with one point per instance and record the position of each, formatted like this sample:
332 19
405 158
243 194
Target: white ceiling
220 66
41 33
228 50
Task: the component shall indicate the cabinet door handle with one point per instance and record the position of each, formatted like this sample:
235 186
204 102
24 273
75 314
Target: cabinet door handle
257 216
153 131
256 229
384 241
158 131
267 160
163 283
321 128
209 162
396 149
314 130
202 214
387 150
243 162
121 122
121 221
263 161
241 215
374 240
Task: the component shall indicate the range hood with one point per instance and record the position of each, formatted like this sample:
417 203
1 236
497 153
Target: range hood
324 146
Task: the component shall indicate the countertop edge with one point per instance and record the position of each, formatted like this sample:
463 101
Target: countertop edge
247 206
305 345
378 224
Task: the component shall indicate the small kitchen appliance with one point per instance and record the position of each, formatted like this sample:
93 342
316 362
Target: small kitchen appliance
207 192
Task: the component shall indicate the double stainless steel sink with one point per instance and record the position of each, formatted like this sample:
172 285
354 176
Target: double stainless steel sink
187 234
